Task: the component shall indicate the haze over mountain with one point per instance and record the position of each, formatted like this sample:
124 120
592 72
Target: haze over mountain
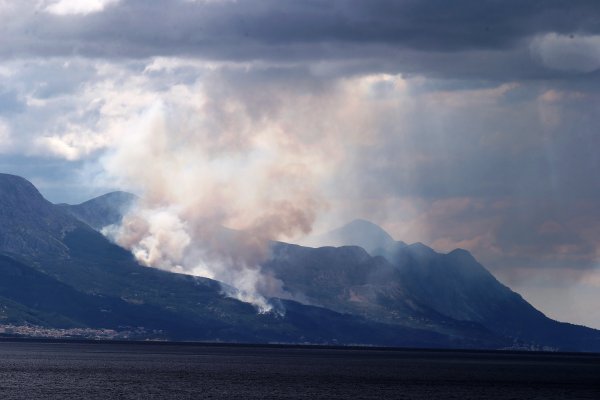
413 285
359 232
102 211
57 271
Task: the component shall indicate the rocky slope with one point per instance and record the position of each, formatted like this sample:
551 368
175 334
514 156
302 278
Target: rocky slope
415 281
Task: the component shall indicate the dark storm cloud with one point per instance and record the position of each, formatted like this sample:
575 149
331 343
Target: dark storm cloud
395 36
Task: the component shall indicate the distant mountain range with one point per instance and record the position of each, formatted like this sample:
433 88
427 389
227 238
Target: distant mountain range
58 271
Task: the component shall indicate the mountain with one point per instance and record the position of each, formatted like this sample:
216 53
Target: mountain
359 233
454 285
349 280
29 224
102 211
56 271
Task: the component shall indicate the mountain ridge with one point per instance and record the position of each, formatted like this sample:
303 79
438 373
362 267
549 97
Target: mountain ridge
396 294
91 271
458 286
104 210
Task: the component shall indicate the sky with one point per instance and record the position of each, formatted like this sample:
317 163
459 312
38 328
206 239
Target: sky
470 124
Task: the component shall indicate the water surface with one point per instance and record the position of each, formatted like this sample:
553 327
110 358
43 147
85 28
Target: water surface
59 370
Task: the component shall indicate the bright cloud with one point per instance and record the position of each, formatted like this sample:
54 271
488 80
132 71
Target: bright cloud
76 7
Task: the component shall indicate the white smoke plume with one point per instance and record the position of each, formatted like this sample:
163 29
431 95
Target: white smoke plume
221 171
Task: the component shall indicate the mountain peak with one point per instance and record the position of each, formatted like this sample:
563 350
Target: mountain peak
31 223
112 197
462 254
16 190
12 179
103 210
420 250
358 232
365 224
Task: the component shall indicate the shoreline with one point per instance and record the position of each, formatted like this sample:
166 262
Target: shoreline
293 346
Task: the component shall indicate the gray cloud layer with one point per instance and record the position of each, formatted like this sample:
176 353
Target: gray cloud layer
491 37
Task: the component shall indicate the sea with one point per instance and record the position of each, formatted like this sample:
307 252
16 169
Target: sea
139 370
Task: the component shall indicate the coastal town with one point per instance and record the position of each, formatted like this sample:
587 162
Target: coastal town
39 332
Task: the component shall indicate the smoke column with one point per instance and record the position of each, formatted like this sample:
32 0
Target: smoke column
220 174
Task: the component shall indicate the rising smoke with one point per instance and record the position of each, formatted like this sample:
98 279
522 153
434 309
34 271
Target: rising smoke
223 175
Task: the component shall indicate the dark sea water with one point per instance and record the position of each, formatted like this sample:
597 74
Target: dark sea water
46 370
